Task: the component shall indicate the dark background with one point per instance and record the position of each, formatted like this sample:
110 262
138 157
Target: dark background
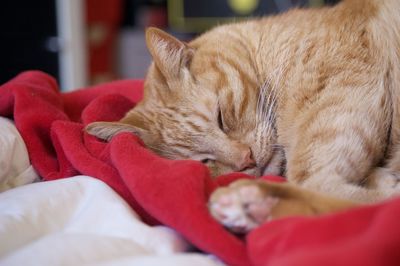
29 30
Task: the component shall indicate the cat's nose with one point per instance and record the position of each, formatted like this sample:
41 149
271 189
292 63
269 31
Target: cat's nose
246 161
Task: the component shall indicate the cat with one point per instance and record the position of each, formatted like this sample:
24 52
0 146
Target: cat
311 94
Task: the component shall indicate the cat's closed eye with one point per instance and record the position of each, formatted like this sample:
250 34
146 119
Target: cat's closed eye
221 124
203 158
206 160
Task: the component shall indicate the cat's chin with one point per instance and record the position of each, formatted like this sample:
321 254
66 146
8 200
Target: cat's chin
253 172
269 169
276 165
258 172
276 171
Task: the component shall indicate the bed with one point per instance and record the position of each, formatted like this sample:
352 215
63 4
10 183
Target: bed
70 199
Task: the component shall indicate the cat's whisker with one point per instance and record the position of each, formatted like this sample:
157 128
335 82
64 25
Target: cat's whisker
261 102
266 106
267 116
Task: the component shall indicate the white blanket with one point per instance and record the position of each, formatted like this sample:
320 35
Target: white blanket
15 168
75 221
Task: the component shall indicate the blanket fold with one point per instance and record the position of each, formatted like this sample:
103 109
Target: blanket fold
175 193
186 208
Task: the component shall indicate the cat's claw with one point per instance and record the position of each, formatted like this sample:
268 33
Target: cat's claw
241 206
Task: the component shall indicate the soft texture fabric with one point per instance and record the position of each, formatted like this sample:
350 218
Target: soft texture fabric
175 192
81 221
15 168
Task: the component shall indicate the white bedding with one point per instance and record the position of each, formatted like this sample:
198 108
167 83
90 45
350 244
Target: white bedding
75 221
15 169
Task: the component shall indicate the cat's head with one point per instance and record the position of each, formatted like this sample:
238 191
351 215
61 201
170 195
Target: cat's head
199 104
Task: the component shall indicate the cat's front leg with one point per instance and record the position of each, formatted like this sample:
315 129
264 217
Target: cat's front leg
246 204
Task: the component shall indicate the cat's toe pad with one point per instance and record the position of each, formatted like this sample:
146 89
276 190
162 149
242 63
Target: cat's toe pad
241 206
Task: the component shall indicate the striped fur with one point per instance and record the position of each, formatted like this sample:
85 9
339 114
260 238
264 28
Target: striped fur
313 93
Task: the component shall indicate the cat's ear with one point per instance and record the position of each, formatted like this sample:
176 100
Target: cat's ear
106 130
170 55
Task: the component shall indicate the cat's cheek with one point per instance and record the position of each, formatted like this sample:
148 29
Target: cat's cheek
217 169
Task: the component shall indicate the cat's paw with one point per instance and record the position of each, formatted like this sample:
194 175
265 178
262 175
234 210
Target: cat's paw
242 206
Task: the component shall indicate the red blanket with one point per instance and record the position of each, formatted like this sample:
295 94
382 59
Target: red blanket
175 192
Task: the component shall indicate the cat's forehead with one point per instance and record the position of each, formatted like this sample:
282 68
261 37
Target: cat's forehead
197 105
204 62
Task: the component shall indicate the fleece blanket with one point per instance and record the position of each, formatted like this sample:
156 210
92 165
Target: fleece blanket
175 193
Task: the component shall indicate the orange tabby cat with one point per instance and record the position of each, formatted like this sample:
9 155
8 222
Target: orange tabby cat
312 94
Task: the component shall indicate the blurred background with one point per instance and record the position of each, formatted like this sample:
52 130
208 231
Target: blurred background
85 42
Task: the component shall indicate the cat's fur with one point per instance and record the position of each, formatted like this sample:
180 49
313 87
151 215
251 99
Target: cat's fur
313 94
